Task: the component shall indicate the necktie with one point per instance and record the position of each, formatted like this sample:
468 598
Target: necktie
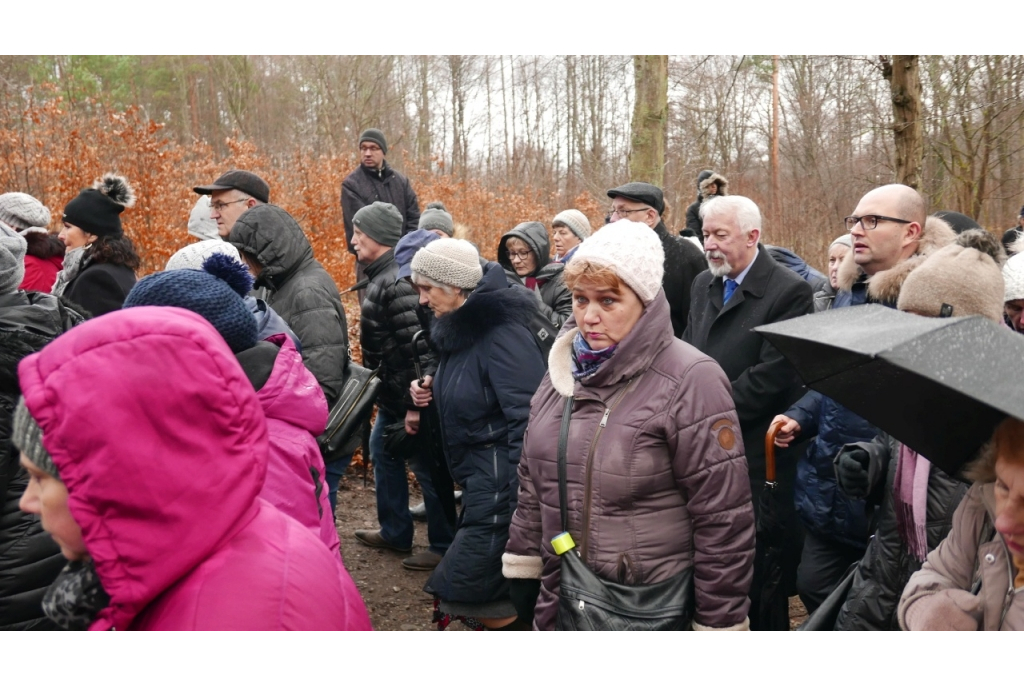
730 288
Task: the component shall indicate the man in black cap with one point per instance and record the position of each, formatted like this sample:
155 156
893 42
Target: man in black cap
645 203
232 194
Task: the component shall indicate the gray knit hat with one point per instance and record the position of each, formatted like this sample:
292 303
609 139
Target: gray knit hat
21 211
12 259
374 135
575 220
27 436
453 262
844 239
436 218
381 221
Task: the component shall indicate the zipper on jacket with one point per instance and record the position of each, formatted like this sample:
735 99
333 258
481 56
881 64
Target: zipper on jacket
590 462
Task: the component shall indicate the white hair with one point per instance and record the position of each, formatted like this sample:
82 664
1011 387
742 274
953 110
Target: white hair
743 209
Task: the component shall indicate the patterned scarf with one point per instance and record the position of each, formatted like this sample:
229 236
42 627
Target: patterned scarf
910 490
586 361
74 261
74 599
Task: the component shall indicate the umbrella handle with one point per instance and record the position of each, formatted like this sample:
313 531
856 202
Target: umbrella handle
769 451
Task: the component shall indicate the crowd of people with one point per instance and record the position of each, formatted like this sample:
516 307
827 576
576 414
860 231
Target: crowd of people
595 401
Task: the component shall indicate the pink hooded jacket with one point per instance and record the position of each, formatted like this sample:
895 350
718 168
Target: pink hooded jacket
162 444
296 412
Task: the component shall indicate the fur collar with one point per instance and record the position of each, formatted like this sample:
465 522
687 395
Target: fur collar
42 244
493 304
885 286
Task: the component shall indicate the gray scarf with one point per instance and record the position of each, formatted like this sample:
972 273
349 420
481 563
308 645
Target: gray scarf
74 261
76 596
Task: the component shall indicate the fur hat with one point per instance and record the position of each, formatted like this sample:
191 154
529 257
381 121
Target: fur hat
632 250
1013 278
12 259
436 217
215 292
27 436
451 261
411 243
200 224
97 210
381 221
374 135
192 256
962 279
576 221
21 211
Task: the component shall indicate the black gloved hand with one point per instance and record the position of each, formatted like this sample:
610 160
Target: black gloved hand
852 472
524 592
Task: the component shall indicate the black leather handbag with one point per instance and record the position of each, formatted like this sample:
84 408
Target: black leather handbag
588 602
349 414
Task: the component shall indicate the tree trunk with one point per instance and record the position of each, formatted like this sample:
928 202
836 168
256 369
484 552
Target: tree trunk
650 119
905 86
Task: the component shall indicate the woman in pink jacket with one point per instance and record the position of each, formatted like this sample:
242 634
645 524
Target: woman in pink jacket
147 450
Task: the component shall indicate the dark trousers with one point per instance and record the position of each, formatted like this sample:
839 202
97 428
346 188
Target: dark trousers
822 565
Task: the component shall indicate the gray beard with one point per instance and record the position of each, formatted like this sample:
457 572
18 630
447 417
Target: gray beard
721 270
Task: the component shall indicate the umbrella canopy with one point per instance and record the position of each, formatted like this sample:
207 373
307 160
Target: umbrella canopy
940 386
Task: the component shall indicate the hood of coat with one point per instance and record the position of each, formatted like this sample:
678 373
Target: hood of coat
635 353
492 304
534 234
42 244
291 393
28 321
885 286
157 480
717 179
275 239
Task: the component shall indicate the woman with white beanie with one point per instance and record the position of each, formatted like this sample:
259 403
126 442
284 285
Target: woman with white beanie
489 367
656 480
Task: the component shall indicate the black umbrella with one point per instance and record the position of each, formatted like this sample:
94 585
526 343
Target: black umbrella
940 386
772 609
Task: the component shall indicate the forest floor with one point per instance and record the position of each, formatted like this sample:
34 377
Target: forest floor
393 595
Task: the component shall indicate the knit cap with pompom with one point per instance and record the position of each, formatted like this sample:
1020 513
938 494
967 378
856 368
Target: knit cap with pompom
632 250
436 218
97 210
215 292
450 261
192 256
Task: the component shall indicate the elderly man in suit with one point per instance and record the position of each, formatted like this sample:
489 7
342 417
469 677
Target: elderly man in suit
744 288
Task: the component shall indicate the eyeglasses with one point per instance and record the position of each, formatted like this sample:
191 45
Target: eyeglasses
624 212
219 206
519 256
870 221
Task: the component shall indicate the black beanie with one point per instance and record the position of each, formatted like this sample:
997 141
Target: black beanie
374 135
97 210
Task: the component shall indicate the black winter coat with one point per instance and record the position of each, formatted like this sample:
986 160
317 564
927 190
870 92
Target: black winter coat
490 367
29 558
886 567
555 298
100 288
365 186
693 221
299 290
683 261
389 322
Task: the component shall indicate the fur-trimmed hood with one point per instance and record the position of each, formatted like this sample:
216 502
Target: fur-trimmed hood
885 286
494 303
42 244
722 182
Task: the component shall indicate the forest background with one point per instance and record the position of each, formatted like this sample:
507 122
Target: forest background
502 139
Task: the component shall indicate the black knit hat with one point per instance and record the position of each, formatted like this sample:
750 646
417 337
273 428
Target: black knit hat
97 210
237 179
641 192
374 135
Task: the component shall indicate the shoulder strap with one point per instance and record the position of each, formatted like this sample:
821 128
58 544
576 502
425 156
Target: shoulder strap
563 446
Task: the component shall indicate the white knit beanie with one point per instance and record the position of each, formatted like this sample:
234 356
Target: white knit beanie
1013 278
451 261
192 256
200 224
632 250
576 221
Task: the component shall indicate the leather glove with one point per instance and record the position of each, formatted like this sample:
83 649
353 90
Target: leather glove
852 472
524 592
951 609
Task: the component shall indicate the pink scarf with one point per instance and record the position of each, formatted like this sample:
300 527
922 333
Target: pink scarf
910 490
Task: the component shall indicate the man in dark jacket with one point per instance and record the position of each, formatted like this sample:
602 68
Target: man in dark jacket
645 203
533 269
389 322
745 288
709 184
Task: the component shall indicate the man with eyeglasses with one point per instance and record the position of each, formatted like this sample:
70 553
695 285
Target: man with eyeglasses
231 195
645 203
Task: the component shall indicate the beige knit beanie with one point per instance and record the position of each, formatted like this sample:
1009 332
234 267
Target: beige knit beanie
576 221
632 250
452 261
962 279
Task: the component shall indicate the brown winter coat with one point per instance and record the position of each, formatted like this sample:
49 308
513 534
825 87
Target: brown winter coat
667 485
971 552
